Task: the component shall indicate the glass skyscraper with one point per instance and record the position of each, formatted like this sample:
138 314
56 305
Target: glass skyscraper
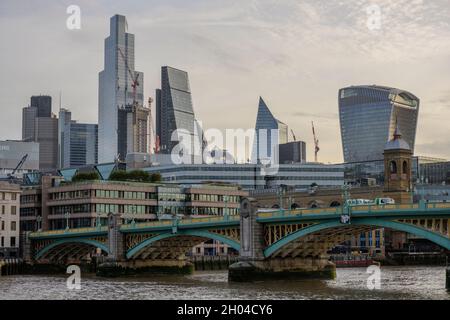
368 116
115 87
77 142
174 109
265 121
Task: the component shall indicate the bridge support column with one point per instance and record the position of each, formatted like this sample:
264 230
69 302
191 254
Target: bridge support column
253 265
112 267
27 253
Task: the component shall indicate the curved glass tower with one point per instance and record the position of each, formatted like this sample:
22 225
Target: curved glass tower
368 115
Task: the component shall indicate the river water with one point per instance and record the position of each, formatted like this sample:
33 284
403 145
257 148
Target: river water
396 283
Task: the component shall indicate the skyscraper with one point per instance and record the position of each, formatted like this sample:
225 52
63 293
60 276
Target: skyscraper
265 123
133 129
368 116
77 142
40 125
174 109
117 87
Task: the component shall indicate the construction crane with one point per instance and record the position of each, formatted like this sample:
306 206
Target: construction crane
316 142
17 168
293 135
134 77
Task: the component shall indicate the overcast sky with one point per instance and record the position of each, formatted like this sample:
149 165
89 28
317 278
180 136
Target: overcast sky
295 54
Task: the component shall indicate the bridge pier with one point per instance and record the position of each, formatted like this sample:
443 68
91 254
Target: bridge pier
254 266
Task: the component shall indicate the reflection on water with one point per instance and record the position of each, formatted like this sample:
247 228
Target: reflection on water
396 283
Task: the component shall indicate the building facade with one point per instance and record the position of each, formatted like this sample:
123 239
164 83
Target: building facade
9 220
265 143
254 176
133 130
292 152
53 203
41 126
175 111
12 152
77 142
116 87
368 116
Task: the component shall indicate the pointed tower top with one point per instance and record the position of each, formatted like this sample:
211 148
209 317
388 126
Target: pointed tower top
397 141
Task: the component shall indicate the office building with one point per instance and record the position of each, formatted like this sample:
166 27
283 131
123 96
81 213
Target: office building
254 176
292 152
368 116
174 111
9 219
12 152
87 203
133 130
265 143
117 87
41 126
77 142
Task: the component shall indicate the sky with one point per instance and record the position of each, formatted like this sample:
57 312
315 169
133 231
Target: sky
295 54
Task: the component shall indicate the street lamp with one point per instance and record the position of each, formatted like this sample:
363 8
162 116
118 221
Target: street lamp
39 223
67 215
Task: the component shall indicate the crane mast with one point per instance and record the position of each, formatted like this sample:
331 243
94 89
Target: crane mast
316 142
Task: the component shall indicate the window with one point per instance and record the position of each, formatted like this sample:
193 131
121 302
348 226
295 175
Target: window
2 242
405 167
13 242
13 226
13 196
13 210
3 225
3 209
393 167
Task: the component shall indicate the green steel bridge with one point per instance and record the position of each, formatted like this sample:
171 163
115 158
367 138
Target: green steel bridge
282 234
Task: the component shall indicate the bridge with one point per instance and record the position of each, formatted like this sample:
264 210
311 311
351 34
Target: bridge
282 243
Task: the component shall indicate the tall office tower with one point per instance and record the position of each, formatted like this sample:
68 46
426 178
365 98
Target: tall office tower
133 130
43 105
264 142
116 87
292 152
174 109
368 116
77 142
40 125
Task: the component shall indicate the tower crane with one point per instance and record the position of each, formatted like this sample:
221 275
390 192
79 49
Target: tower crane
293 135
316 142
134 77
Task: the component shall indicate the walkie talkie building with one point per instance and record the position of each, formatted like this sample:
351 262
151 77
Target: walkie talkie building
368 116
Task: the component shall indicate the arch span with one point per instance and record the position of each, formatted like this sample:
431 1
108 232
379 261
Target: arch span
201 234
55 244
399 226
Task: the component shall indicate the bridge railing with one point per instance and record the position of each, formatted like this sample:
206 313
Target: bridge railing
179 222
68 231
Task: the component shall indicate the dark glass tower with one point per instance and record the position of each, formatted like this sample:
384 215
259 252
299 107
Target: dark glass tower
368 116
174 108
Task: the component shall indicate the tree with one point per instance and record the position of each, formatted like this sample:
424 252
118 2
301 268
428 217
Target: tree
156 177
135 175
85 176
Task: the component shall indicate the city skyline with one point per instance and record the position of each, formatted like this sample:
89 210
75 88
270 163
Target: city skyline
231 64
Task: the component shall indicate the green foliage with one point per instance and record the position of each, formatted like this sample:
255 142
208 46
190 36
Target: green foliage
135 175
85 176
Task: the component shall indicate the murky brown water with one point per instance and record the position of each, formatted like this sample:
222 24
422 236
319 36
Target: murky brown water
396 283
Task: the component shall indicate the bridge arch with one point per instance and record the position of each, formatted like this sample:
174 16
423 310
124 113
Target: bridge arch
399 226
190 233
94 244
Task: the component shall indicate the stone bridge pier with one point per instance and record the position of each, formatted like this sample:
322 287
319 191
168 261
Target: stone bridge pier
253 265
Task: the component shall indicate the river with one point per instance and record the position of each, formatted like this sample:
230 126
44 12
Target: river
396 283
